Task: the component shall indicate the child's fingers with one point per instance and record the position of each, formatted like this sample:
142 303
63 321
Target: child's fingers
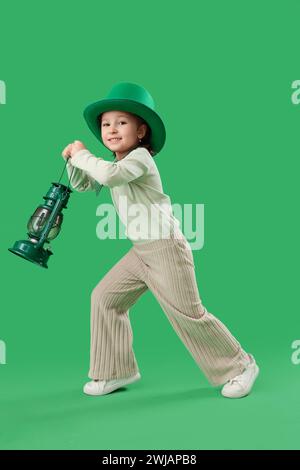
67 150
77 144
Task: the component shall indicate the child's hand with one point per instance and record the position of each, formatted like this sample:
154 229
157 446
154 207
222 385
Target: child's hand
71 149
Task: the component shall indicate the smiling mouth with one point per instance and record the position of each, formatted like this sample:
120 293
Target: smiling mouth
115 139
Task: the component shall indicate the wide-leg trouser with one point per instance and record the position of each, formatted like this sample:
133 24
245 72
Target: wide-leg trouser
165 267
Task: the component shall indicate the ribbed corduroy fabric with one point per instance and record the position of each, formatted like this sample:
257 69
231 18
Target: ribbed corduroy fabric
165 267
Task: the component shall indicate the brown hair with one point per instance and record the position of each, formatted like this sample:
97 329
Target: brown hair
145 141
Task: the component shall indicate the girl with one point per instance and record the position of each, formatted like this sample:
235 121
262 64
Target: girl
160 258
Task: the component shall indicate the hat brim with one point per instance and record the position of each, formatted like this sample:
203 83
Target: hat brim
158 131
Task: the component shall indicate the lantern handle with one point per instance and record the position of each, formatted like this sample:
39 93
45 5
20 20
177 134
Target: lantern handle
64 171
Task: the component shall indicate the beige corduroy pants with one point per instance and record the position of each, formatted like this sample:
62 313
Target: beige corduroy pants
166 267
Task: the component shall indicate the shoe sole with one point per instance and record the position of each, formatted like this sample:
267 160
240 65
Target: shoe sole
248 391
112 388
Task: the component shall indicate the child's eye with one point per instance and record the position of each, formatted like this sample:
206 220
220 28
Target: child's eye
122 122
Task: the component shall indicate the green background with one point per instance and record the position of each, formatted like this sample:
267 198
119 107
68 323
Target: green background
221 75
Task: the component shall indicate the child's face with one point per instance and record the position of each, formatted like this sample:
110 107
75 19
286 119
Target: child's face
125 128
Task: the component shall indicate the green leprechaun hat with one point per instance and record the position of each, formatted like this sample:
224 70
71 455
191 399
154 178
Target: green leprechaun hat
132 98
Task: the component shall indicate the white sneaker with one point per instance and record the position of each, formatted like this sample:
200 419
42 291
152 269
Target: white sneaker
102 387
241 385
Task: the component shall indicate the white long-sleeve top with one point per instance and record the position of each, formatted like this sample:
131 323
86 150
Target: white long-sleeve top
136 190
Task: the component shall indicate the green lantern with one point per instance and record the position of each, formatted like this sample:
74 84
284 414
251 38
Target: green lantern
44 225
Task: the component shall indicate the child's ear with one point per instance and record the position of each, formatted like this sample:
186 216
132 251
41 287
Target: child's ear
144 128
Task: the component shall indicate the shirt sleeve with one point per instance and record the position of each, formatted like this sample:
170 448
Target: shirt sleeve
133 166
80 181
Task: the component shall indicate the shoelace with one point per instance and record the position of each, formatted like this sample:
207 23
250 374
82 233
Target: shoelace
239 377
235 379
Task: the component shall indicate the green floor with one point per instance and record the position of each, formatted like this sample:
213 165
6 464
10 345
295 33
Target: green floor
173 408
